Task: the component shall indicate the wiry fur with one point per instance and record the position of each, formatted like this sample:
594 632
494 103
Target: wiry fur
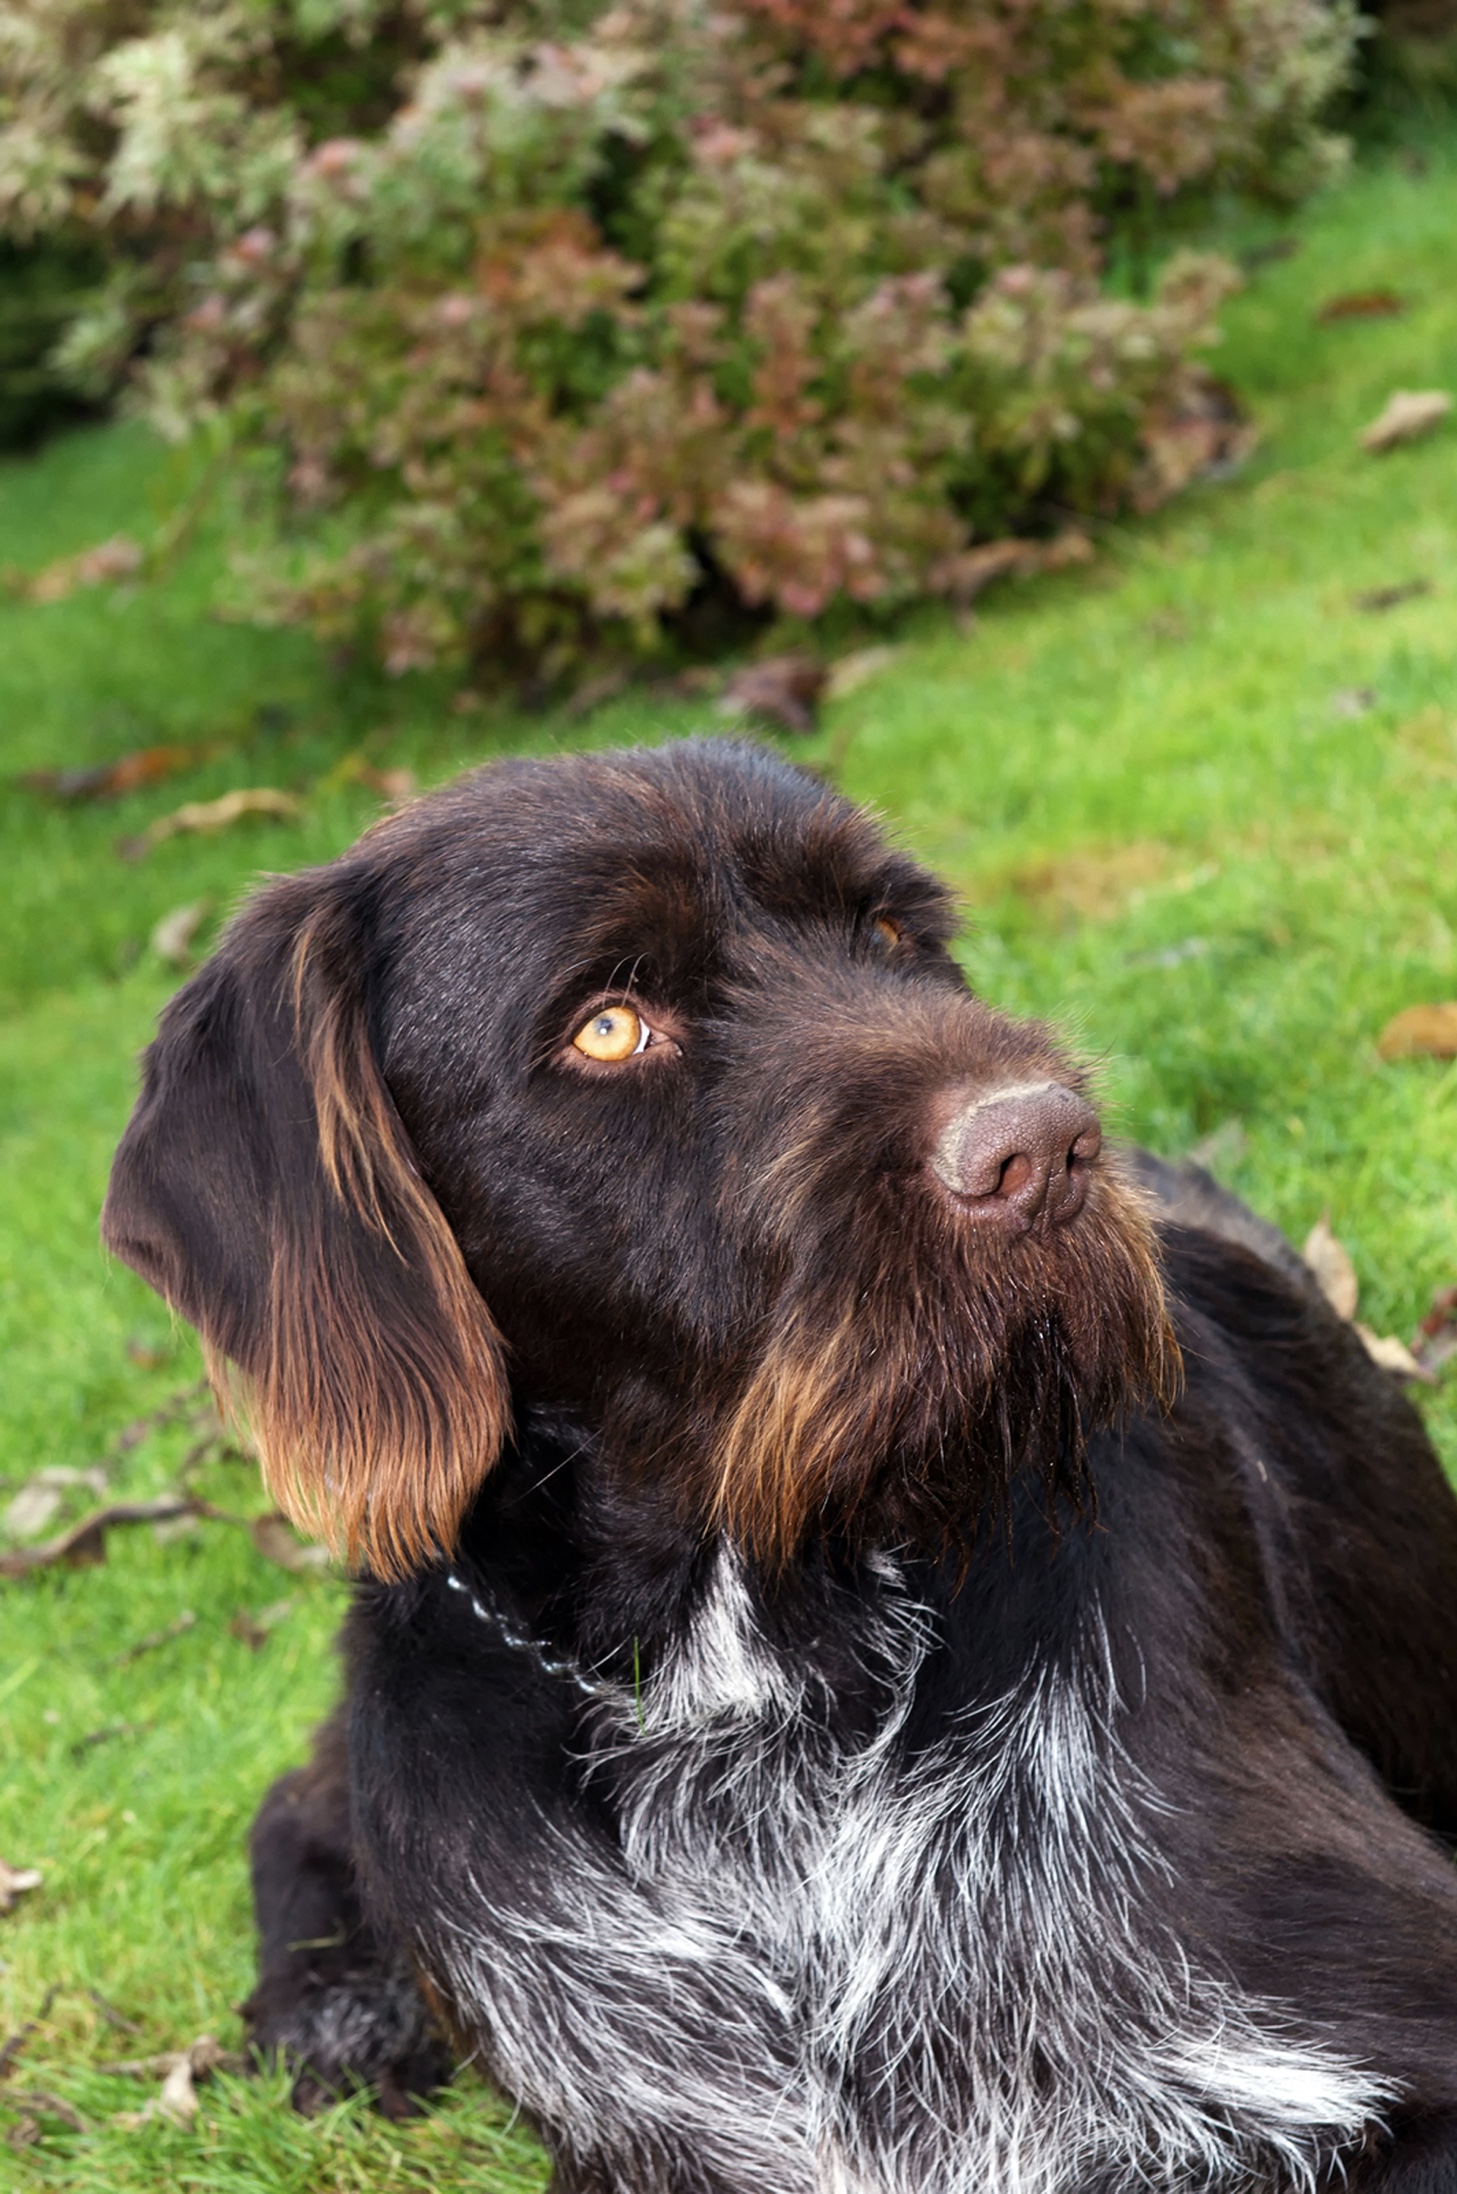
837 1925
831 1709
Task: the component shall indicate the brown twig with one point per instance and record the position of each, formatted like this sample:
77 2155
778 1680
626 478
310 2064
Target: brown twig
154 1638
85 1542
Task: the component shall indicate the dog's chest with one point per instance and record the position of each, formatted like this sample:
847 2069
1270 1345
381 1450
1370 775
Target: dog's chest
816 1966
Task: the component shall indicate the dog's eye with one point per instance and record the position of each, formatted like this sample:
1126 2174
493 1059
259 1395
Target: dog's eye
616 1032
886 932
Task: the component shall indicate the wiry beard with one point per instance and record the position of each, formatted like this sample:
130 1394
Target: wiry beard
900 1404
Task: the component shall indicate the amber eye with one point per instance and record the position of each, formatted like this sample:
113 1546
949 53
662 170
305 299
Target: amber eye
614 1033
888 932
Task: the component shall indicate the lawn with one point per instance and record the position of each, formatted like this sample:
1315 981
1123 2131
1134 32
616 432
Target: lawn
1202 808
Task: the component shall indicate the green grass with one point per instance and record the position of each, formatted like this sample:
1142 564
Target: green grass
1168 837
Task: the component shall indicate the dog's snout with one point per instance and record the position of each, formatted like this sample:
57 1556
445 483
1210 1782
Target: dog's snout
1019 1157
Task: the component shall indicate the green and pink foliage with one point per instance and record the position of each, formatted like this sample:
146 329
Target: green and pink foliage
555 315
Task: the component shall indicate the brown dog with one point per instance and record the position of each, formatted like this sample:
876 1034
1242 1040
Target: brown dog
707 1325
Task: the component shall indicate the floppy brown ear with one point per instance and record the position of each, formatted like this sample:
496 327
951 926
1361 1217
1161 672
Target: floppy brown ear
267 1188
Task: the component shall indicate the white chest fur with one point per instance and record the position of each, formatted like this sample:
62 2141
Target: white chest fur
804 1968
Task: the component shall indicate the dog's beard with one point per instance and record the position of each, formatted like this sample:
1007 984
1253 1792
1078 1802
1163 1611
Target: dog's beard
899 1404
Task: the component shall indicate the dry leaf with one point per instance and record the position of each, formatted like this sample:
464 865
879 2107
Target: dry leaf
109 780
85 1543
1435 1342
1206 431
118 558
172 938
15 1881
33 1508
1330 1262
255 1630
852 672
1409 414
181 2071
275 1537
1222 1148
1393 1355
785 689
594 693
1093 886
1380 598
1420 1032
40 1498
397 785
34 2104
971 571
212 815
1362 304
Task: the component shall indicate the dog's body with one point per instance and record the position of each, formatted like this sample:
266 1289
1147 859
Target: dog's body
778 1771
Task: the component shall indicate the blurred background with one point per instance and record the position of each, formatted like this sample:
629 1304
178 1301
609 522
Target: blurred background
1034 417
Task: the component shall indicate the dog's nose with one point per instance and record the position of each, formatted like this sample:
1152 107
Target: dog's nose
1017 1157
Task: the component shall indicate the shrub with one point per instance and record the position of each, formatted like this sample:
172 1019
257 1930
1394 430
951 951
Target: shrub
559 316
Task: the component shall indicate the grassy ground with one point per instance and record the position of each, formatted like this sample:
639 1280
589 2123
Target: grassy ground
1203 809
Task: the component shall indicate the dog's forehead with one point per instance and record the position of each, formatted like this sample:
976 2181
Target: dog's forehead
664 844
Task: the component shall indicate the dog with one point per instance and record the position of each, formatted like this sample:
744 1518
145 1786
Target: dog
897 1649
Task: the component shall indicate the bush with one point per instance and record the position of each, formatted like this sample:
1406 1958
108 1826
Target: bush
44 288
560 317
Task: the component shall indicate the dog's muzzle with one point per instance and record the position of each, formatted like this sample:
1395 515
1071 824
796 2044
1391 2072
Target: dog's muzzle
1019 1158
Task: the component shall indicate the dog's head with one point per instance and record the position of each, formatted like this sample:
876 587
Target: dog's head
641 1087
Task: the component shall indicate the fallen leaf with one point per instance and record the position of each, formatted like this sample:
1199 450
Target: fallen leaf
109 780
397 785
118 558
594 693
32 1510
1420 1032
178 2099
1362 304
1330 1262
154 1638
1067 549
172 938
785 689
275 1537
1393 1355
205 816
34 2104
1204 433
1223 1147
181 2072
1435 1341
1409 414
1092 885
15 1881
853 671
971 571
85 1543
255 1630
1380 598
40 1498
1353 701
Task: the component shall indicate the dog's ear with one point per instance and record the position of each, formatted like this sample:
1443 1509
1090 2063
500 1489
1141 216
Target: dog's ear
267 1188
